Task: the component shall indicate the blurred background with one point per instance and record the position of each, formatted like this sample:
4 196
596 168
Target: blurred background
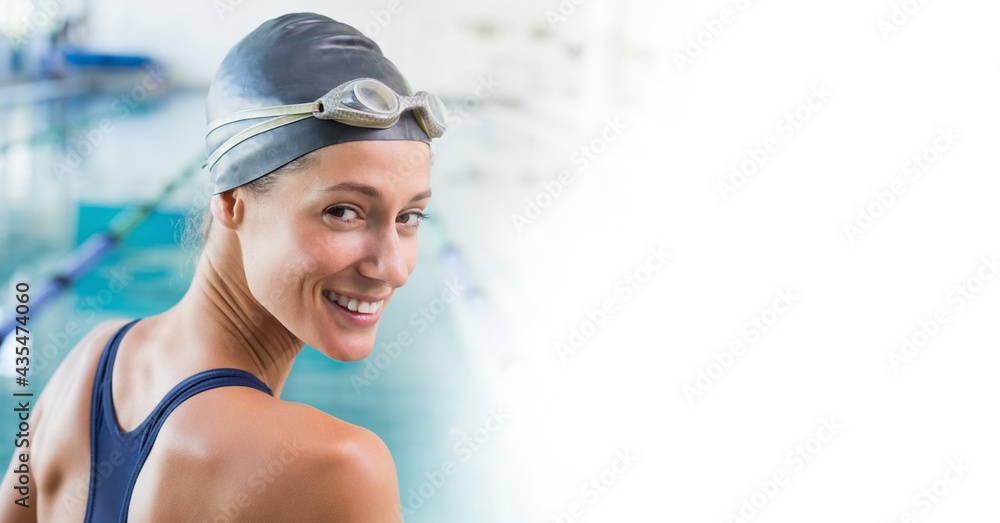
666 223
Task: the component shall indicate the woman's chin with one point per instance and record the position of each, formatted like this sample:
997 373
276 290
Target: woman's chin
346 353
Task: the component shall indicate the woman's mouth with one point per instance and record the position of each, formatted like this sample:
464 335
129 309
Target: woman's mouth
353 304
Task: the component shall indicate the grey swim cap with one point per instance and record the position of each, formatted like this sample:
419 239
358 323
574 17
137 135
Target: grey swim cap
295 58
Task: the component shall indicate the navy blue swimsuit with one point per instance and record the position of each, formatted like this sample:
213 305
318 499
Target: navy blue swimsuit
116 457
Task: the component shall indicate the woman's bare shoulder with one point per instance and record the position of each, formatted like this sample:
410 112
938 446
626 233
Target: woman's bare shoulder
76 370
338 450
266 459
91 344
350 472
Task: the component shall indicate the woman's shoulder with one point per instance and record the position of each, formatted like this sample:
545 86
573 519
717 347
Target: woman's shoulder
237 413
350 470
76 370
274 460
94 340
334 439
334 449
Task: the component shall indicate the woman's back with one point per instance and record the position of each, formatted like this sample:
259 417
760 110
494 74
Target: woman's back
231 453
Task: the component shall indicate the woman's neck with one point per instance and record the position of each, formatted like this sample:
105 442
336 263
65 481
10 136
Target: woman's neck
226 326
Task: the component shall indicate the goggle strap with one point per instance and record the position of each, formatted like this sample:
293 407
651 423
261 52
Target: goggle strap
249 114
252 131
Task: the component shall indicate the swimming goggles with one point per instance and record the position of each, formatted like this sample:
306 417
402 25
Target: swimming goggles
362 102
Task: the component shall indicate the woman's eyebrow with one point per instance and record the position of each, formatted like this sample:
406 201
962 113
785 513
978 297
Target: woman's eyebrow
421 195
372 191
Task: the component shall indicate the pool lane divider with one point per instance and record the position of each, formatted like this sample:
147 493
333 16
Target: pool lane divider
92 250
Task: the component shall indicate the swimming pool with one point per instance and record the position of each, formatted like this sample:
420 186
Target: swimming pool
430 401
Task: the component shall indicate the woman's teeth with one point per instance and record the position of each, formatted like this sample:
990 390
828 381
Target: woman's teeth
353 304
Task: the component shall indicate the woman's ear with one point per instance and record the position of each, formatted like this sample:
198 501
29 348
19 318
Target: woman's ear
227 209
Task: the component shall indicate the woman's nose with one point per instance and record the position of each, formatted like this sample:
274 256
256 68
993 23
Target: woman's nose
386 259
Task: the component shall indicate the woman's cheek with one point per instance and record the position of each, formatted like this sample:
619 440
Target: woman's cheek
335 251
268 276
410 253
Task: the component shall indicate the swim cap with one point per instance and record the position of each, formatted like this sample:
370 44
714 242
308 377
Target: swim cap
293 59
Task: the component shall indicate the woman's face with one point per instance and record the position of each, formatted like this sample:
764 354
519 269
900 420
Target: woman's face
346 223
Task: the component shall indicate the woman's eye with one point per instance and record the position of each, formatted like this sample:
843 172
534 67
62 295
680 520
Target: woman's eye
413 219
342 213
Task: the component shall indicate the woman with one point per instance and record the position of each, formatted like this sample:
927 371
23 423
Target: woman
313 225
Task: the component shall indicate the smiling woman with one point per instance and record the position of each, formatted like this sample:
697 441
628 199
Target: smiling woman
344 223
312 227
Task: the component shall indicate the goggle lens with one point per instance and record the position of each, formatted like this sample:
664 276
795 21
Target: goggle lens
436 109
376 97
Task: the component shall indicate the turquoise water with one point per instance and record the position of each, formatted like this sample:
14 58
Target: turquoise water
428 401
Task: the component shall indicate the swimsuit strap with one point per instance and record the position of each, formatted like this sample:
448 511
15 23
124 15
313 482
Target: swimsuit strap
108 444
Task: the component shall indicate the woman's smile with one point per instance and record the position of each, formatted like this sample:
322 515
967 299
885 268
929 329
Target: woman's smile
358 312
